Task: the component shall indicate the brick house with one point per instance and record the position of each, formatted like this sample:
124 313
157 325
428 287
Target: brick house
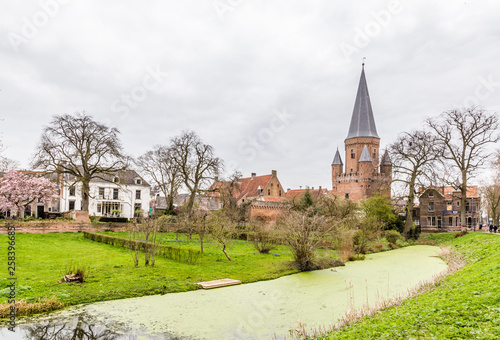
440 207
264 195
296 194
362 176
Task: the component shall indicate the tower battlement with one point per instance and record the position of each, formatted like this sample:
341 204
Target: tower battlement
364 175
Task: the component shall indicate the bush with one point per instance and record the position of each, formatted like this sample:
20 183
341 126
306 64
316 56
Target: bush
113 219
178 254
392 236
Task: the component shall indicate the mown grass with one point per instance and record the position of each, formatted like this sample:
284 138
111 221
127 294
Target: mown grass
43 259
464 305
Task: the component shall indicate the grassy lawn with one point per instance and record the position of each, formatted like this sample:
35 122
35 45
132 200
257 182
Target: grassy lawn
465 305
42 260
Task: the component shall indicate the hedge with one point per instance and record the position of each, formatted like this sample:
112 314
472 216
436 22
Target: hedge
113 219
190 256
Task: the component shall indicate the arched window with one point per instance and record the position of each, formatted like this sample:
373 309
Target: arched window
353 155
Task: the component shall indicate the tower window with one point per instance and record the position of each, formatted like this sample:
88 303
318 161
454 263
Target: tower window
374 153
353 155
346 195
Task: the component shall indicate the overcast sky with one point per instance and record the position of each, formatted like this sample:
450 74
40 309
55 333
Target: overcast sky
269 84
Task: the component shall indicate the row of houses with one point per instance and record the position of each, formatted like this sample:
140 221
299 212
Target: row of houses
124 194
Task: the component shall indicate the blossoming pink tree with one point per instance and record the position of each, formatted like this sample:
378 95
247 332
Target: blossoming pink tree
17 190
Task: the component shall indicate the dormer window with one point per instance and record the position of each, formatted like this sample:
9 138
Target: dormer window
138 181
259 190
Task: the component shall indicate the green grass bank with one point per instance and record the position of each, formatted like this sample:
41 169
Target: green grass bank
43 259
464 305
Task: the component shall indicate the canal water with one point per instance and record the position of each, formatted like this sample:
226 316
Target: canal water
260 310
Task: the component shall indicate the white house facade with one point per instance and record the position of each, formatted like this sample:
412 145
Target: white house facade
125 194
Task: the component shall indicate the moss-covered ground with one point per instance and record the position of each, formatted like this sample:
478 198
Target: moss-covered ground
464 305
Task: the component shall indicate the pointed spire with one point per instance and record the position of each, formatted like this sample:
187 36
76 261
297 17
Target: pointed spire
362 121
337 160
386 159
365 155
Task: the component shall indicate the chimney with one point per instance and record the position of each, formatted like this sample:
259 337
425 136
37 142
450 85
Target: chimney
254 174
274 172
312 188
216 178
320 188
288 189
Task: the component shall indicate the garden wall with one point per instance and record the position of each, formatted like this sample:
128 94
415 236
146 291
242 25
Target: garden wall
41 227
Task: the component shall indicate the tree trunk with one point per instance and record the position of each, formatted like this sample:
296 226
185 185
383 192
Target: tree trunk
463 200
409 207
225 253
201 241
85 195
190 204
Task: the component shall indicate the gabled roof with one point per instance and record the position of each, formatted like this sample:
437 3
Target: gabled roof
337 160
386 159
127 177
246 187
449 192
298 193
362 121
365 155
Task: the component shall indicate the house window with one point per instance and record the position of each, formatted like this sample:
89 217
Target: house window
138 181
278 185
352 155
99 207
449 206
137 209
439 222
137 194
116 179
279 193
450 221
458 203
271 185
269 192
431 193
115 194
101 193
431 206
431 221
71 205
72 191
467 207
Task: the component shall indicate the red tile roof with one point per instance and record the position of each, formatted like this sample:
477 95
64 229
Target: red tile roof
449 192
248 186
297 193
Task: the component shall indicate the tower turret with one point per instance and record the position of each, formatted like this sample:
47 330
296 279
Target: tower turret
362 130
336 165
365 163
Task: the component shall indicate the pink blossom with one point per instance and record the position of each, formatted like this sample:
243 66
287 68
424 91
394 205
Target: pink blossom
17 190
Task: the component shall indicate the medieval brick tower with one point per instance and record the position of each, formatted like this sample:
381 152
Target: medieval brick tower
362 177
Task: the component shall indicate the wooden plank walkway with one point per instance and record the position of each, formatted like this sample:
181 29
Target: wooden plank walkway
218 283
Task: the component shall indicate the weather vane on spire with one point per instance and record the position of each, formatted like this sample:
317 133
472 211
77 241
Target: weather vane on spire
363 61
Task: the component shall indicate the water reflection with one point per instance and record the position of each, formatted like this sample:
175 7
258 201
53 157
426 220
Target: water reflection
65 331
78 327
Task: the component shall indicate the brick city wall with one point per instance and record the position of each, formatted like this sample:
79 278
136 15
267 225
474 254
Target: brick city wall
61 227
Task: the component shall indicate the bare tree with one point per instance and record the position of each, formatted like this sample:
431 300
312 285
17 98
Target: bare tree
304 232
491 196
159 167
222 229
79 146
196 163
463 135
413 153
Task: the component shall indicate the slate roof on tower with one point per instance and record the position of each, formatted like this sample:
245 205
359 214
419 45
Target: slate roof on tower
365 155
386 159
362 121
337 160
